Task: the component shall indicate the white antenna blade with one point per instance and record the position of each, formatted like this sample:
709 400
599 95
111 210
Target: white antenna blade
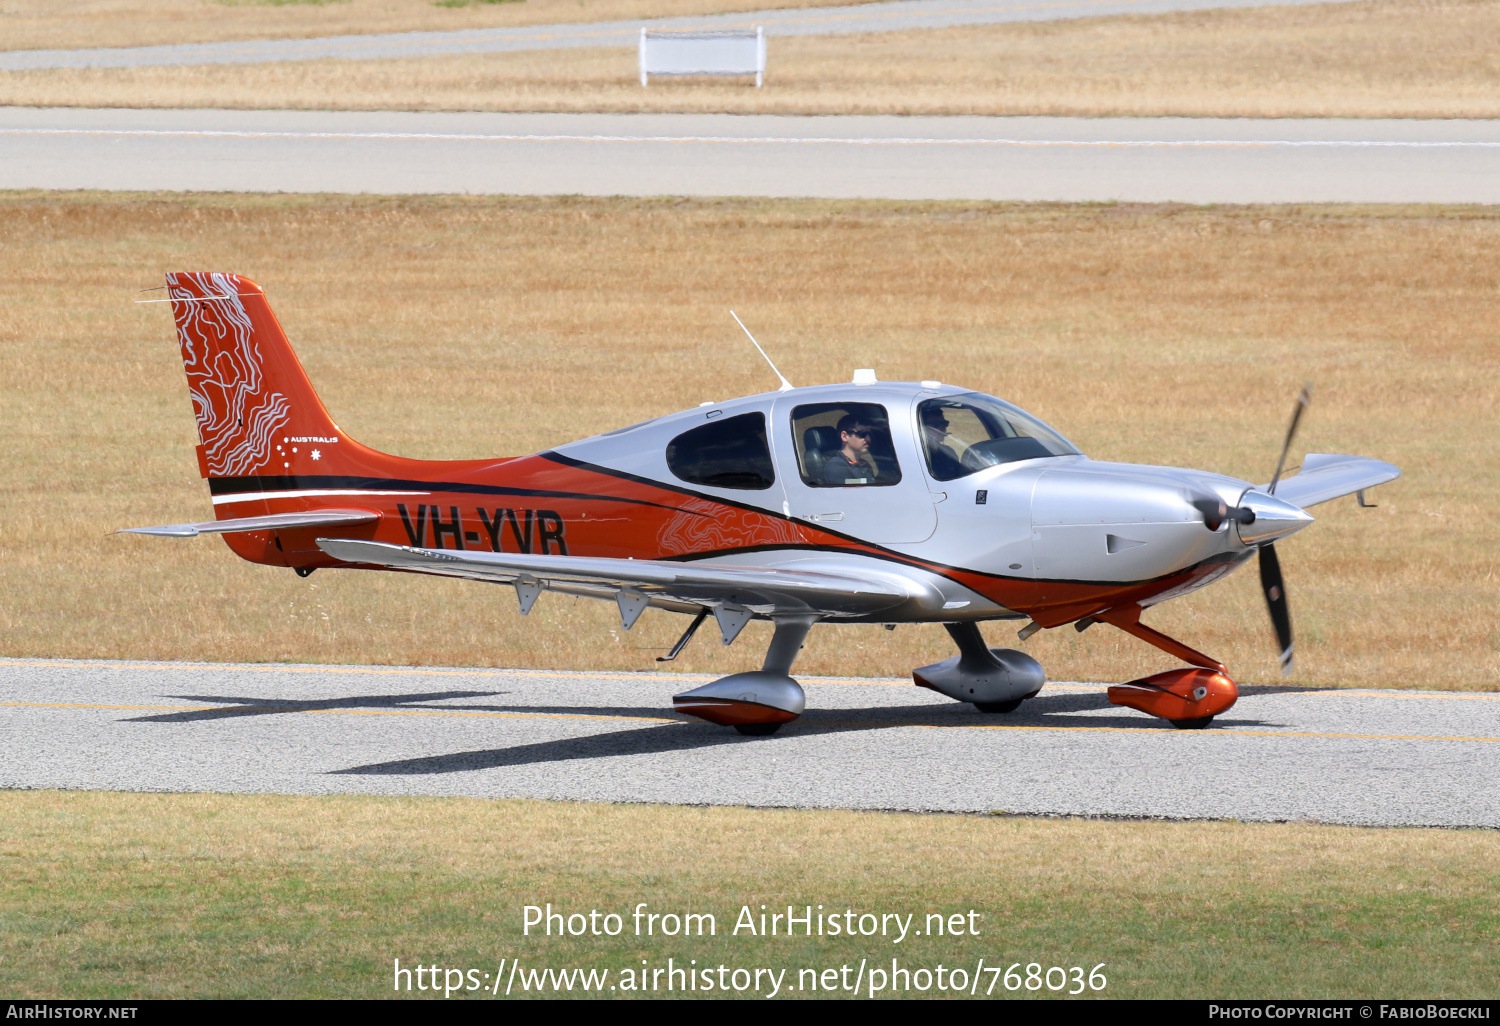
785 384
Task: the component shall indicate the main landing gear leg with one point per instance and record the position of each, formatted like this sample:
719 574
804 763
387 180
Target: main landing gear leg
996 680
756 703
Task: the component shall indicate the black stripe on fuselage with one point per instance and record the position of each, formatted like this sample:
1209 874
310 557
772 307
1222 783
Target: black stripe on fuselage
249 486
881 552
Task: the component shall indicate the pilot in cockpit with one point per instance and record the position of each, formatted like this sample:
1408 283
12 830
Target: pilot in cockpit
852 464
945 463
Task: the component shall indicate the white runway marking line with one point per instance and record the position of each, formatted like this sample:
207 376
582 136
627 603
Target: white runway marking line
775 140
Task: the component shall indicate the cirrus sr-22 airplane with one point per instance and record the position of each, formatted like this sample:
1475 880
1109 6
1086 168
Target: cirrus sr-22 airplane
869 502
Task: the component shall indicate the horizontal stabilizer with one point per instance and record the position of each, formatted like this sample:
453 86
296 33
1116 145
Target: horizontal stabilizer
763 589
1326 476
275 522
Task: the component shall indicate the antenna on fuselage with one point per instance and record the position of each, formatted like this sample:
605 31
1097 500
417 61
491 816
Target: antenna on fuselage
785 384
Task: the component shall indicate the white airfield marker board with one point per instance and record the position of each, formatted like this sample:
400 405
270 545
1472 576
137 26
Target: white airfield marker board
703 53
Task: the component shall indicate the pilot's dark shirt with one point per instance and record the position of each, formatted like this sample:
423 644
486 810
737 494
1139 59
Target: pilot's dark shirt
945 462
837 470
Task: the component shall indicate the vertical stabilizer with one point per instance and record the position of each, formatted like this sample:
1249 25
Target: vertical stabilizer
250 394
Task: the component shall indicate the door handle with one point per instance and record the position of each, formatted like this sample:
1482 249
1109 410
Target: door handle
826 518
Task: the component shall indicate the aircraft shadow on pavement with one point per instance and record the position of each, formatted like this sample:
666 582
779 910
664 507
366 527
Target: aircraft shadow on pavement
1057 710
235 705
942 714
687 735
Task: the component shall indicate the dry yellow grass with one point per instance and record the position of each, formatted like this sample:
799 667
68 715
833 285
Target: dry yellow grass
271 896
1390 58
460 327
66 24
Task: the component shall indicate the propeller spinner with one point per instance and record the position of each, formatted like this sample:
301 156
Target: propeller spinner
1260 519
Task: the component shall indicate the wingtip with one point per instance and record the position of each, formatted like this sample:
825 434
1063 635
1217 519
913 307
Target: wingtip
166 531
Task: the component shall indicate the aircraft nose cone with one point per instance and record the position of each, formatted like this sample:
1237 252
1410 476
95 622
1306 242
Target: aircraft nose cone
1273 518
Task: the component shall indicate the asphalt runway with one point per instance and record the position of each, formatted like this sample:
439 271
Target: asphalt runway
890 16
1191 160
1357 757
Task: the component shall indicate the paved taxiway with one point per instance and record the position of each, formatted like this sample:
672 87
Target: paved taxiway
1193 160
1365 757
888 16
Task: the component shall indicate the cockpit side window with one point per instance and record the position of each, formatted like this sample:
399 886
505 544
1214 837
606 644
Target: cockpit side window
729 453
844 444
965 433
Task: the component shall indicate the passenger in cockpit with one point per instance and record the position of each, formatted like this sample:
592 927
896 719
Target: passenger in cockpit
852 464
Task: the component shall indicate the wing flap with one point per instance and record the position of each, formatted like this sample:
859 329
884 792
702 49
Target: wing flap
274 522
762 589
1326 476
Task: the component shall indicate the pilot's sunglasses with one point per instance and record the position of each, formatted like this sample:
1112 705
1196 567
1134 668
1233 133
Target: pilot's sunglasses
866 433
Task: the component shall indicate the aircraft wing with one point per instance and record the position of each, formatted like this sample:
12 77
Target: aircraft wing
1326 476
275 522
672 585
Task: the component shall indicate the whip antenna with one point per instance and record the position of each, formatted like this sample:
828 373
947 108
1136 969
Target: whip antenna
785 384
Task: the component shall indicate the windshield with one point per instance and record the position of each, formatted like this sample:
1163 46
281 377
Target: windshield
962 434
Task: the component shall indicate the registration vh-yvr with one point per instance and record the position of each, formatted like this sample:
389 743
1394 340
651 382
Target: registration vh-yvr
868 502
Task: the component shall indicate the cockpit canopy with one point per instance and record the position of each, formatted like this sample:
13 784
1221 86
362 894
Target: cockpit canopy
839 443
962 434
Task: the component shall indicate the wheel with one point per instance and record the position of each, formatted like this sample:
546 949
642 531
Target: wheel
1195 724
760 729
999 707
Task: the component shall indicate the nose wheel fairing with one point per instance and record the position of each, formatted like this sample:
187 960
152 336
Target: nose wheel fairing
1188 698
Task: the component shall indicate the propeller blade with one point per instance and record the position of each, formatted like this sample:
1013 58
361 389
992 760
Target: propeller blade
1303 398
1275 591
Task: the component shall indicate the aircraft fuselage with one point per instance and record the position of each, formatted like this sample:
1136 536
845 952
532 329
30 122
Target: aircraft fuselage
1050 537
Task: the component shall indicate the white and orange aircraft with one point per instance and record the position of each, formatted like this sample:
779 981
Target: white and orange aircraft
868 502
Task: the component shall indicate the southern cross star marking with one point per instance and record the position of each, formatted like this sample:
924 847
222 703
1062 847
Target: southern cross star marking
317 454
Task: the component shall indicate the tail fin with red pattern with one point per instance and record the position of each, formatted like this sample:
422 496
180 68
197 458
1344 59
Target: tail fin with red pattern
249 391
